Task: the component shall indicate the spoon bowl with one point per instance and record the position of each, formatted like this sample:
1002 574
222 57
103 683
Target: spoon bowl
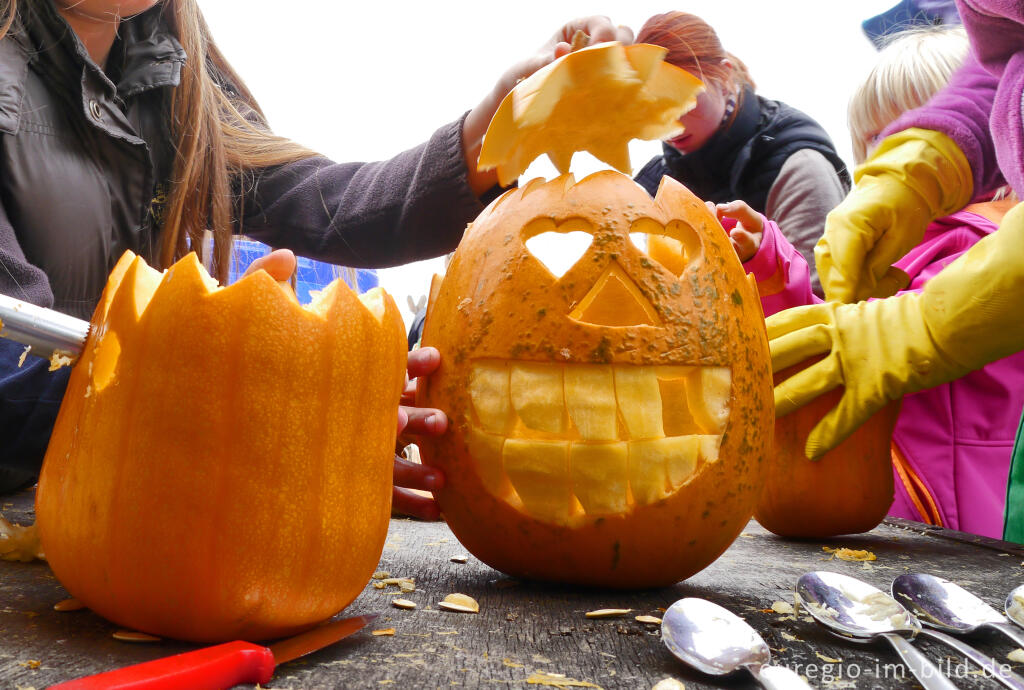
853 608
717 642
857 611
944 605
1015 607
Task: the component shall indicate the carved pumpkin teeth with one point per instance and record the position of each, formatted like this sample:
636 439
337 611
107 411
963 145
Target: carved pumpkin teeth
562 442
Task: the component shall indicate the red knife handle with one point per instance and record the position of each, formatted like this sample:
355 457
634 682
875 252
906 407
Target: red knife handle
214 668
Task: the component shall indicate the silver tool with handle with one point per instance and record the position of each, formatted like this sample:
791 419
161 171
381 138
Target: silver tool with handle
45 331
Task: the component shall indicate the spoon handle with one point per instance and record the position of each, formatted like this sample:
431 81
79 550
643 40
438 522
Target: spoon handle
1011 631
778 678
1001 673
927 673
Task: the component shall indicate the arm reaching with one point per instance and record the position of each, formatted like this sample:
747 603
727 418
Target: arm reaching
966 317
914 177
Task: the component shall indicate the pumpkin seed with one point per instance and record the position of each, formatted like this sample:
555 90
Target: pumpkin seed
668 684
134 636
461 603
68 605
652 620
608 613
381 574
460 559
387 631
403 604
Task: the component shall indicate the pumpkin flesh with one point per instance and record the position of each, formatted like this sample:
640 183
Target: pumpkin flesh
594 99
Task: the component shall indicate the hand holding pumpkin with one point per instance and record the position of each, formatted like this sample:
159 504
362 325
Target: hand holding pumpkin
418 421
598 28
280 264
965 317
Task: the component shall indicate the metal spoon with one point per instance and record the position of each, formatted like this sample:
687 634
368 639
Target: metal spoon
856 611
1015 611
943 605
716 641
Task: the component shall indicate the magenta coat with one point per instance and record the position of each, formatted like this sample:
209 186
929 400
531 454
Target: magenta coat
952 442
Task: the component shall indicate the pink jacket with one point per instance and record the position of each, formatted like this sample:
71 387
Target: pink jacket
952 443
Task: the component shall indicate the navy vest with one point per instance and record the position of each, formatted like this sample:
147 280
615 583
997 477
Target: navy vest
743 160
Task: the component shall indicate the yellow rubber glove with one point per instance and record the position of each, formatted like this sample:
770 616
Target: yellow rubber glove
967 316
914 177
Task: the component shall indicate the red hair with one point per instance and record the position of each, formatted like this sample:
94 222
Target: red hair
694 46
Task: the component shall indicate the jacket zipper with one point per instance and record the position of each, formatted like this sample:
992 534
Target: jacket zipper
918 493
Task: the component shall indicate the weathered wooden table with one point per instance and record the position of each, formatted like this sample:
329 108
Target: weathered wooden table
536 635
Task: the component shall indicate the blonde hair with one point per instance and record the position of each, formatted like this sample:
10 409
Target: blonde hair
910 69
219 134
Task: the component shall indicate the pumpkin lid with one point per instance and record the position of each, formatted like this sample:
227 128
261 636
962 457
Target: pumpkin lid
595 99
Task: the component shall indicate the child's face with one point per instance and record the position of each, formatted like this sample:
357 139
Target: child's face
703 121
871 142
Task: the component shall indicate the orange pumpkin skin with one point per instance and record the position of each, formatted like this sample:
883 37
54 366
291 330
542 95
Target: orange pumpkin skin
498 303
848 490
221 465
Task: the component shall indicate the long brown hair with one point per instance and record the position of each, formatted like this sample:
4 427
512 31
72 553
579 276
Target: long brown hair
694 46
219 134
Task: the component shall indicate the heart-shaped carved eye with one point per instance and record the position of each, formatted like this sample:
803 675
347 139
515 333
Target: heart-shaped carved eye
639 240
559 251
676 247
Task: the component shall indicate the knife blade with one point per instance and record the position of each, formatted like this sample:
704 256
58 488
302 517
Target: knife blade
47 331
220 666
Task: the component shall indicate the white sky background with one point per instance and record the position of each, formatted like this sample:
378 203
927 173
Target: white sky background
364 83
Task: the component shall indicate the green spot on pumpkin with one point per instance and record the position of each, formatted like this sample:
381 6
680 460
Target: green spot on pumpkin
602 353
736 299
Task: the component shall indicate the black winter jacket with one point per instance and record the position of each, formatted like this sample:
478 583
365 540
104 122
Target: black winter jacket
743 160
85 158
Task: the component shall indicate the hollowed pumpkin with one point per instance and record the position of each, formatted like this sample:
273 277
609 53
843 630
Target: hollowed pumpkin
848 490
221 465
608 425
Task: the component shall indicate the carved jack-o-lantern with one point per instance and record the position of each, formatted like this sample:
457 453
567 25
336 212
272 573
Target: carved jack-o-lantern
608 426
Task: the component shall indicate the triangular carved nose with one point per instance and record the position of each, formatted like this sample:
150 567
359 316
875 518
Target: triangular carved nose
615 300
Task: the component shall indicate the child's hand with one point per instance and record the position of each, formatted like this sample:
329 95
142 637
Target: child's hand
746 234
418 420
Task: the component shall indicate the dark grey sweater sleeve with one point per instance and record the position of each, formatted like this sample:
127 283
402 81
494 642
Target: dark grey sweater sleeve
30 394
414 206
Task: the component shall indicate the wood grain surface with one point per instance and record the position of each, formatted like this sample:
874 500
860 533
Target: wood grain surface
535 635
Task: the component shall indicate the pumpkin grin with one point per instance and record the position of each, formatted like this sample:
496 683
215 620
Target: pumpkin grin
564 442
